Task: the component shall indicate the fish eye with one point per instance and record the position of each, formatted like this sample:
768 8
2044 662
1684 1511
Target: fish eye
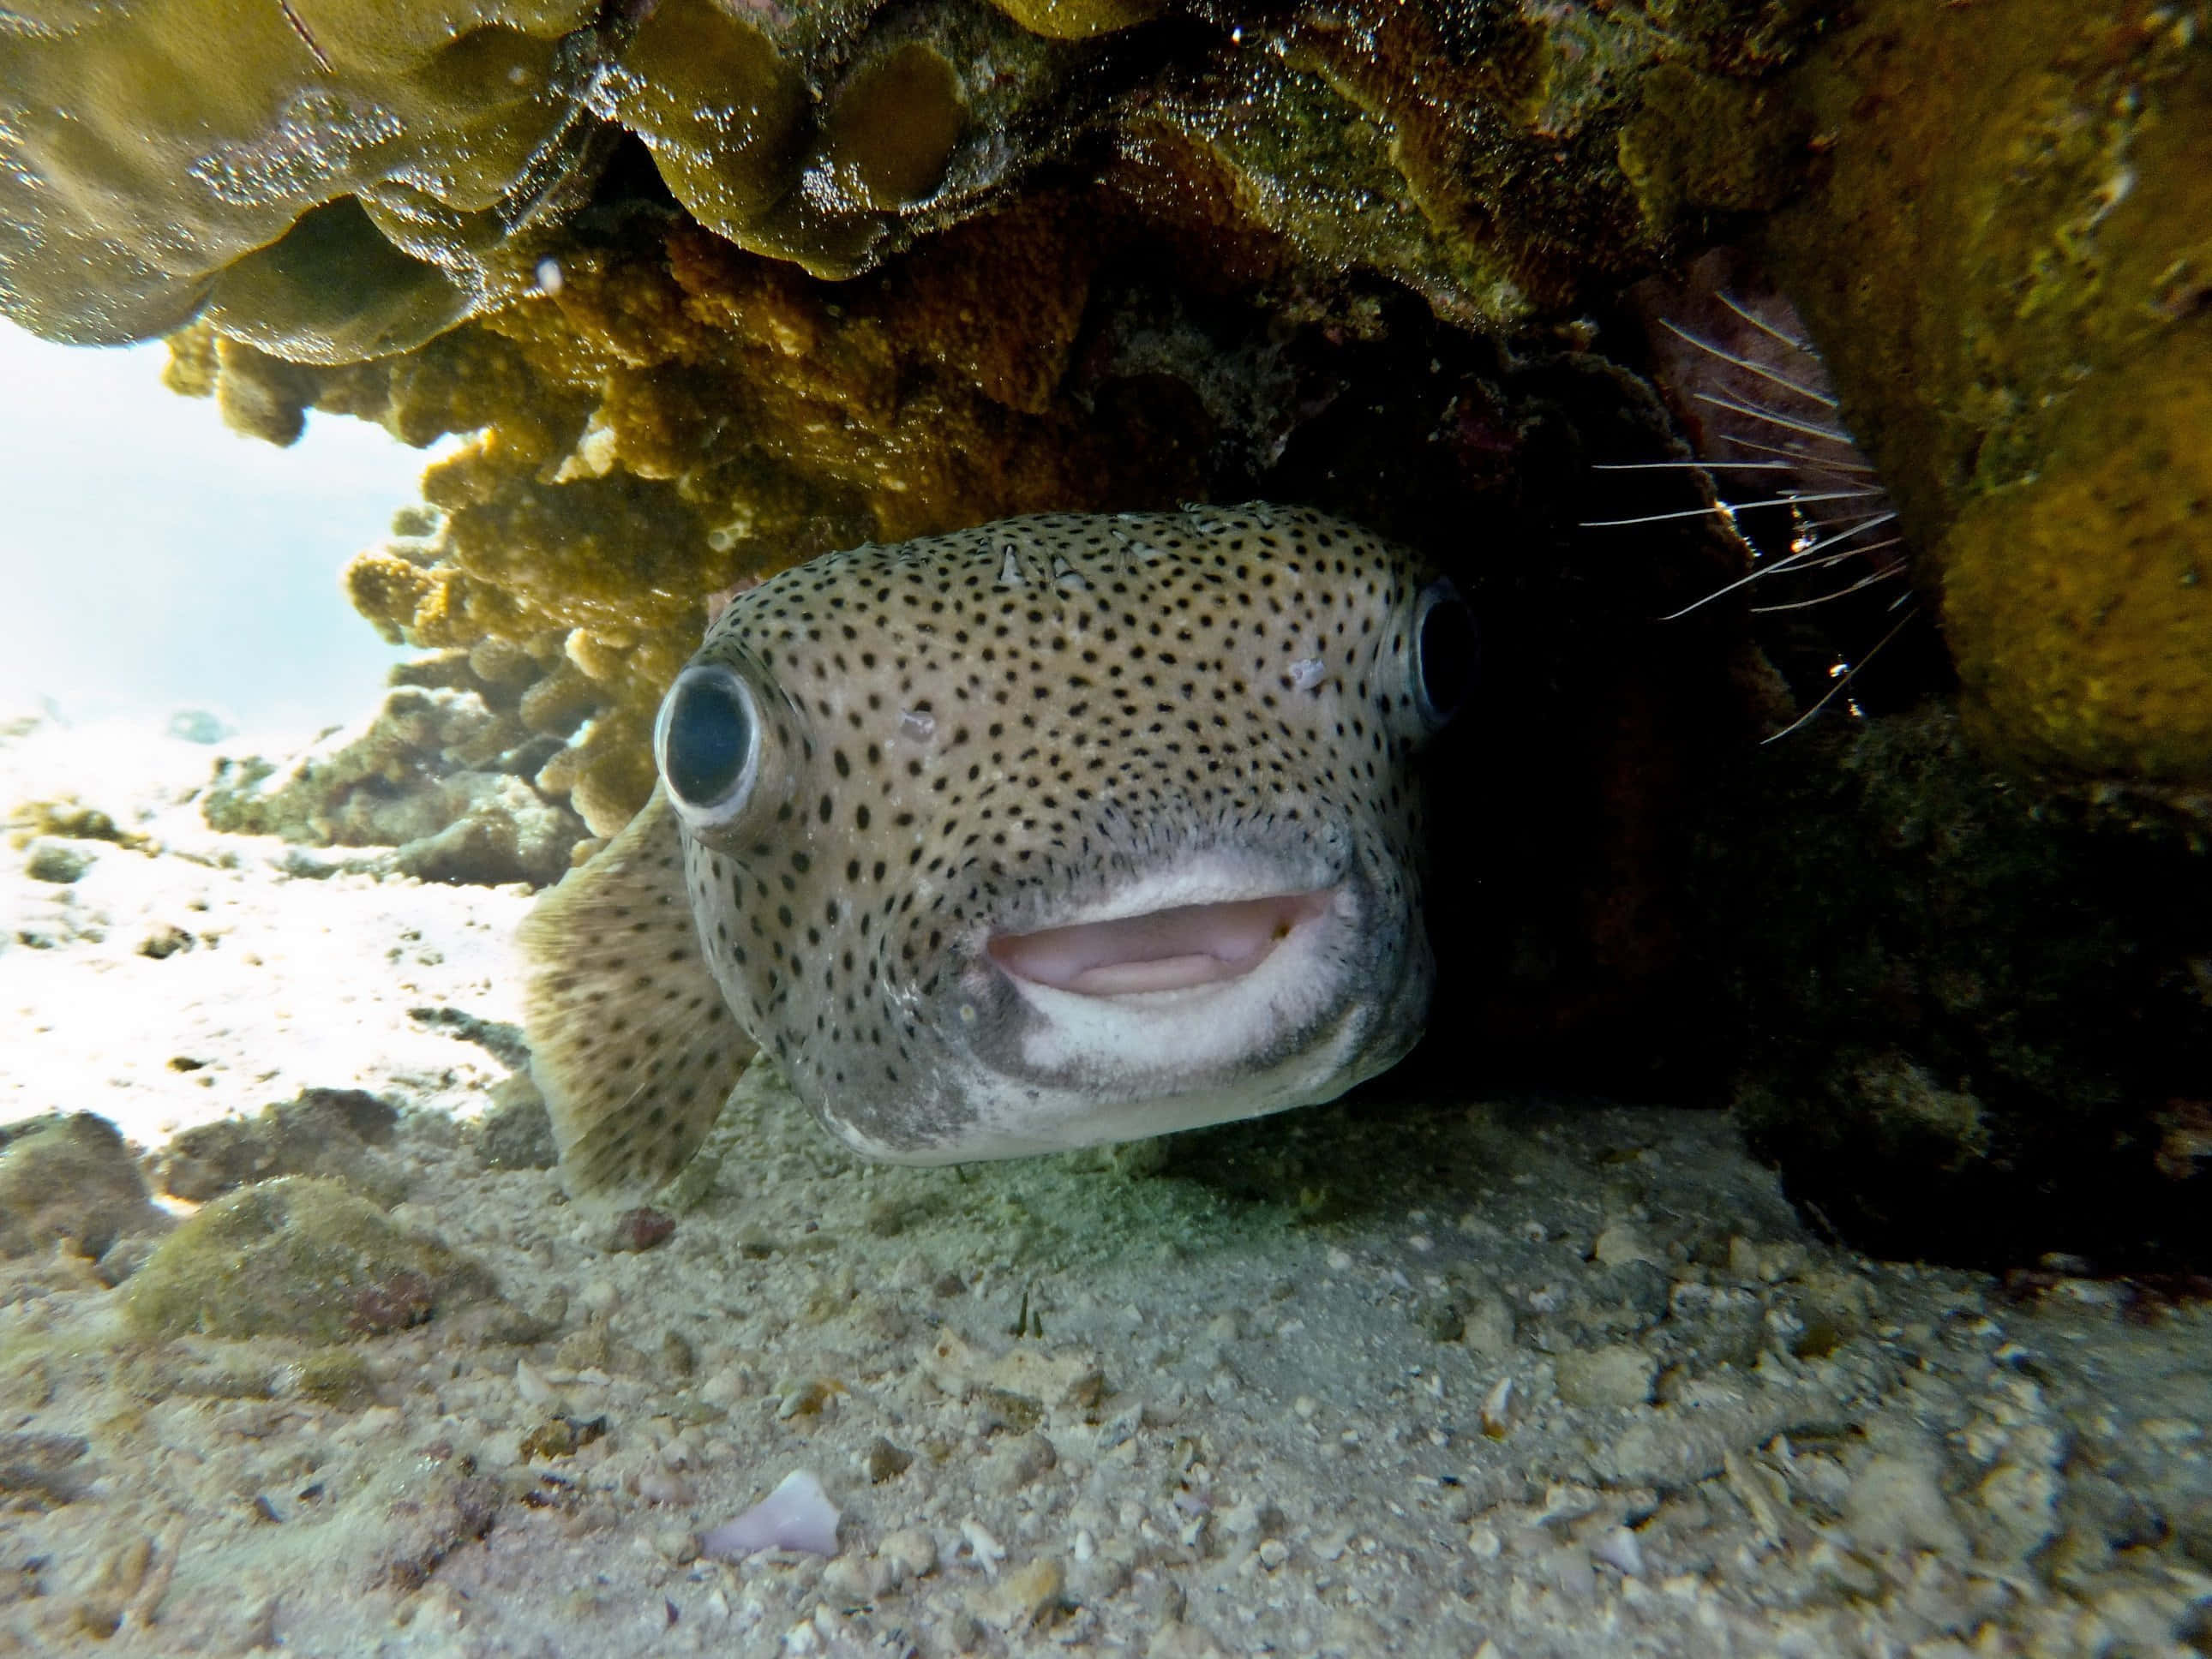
706 743
1447 650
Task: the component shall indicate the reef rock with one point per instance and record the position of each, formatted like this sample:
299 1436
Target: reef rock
2006 257
297 1257
435 772
332 1133
1975 1019
334 182
70 1178
339 181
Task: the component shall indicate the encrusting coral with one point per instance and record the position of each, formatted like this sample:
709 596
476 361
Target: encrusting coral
2007 257
333 181
679 416
336 182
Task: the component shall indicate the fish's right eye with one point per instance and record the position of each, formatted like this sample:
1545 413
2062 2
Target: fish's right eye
706 744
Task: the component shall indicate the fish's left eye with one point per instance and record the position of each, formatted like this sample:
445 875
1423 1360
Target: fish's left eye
706 744
1447 650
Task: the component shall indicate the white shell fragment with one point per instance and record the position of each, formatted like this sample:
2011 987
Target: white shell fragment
797 1516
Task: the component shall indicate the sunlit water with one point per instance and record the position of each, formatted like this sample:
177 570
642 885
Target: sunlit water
151 560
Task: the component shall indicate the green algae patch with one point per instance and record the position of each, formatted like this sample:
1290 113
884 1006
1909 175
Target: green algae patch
2005 261
299 1257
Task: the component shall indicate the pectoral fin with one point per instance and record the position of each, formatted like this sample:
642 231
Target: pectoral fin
630 1041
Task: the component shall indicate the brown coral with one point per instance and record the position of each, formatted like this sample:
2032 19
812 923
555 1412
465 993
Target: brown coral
2005 263
680 415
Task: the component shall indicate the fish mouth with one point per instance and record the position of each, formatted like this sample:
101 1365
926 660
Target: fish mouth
1175 949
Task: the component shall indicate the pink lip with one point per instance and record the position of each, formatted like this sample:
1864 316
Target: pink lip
1161 950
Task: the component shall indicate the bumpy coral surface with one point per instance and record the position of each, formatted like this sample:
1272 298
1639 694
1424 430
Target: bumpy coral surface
2006 262
679 416
336 182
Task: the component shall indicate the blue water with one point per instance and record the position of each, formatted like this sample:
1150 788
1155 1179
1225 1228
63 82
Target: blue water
151 560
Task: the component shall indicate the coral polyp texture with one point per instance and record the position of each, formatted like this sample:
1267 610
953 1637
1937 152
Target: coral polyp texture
2008 260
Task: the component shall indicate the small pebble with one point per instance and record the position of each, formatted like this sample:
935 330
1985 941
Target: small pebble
909 1552
1617 1375
640 1229
1022 1597
56 862
884 1461
1619 1548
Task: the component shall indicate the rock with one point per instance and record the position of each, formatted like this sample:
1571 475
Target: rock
2020 1498
1972 1011
1022 1597
198 725
1894 1503
300 1257
517 1133
907 1554
424 774
885 1461
1488 1326
429 1522
328 1133
2034 468
1622 1242
641 1229
43 1467
1022 1459
71 1178
56 862
1618 1375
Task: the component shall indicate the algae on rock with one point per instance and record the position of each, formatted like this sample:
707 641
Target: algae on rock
2006 258
334 182
300 1257
70 1178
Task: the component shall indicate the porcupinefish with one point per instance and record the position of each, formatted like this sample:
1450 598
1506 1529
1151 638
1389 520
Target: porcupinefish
1068 829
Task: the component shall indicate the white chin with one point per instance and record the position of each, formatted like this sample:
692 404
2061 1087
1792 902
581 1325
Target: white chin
1149 1046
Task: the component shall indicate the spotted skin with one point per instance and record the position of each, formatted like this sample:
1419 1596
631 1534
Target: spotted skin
987 734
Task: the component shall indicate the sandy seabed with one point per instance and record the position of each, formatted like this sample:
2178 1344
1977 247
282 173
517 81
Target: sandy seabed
1469 1378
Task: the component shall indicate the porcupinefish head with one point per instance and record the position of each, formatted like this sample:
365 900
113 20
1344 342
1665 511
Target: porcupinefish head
1067 830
